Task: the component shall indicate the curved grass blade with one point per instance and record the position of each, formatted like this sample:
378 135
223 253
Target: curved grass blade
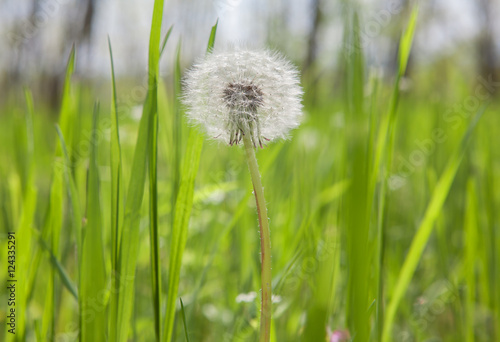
165 40
211 39
184 320
66 280
425 229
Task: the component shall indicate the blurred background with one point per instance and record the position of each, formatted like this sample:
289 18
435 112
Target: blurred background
329 268
36 36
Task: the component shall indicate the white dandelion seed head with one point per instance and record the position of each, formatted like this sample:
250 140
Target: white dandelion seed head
234 92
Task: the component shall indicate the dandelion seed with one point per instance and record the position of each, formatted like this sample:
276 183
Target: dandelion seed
240 92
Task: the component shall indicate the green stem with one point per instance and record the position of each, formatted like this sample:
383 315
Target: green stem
265 241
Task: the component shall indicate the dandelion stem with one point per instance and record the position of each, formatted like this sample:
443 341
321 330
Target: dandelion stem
265 240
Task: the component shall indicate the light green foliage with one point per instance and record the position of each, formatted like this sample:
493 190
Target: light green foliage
383 211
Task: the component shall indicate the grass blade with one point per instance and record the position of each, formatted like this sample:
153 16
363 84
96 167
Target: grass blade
165 40
93 274
24 230
385 144
52 228
116 186
406 41
211 39
176 127
129 241
52 232
67 115
357 316
153 207
76 217
184 320
179 230
425 229
183 206
153 224
471 256
66 280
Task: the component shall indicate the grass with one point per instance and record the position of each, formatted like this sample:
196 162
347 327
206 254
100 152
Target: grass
383 212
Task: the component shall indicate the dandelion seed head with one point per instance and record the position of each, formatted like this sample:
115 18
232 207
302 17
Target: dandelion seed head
232 92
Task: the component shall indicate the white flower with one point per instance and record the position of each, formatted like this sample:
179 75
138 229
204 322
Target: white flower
235 92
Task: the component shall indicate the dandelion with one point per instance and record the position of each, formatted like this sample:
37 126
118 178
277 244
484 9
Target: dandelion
249 96
232 93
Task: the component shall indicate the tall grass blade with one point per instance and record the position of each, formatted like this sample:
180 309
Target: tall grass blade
153 224
165 40
130 232
51 233
116 187
65 278
179 229
385 144
184 320
93 281
68 115
24 230
471 257
357 219
76 212
153 210
425 229
211 39
52 228
183 208
176 127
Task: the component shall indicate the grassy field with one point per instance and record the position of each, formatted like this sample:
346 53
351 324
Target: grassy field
382 206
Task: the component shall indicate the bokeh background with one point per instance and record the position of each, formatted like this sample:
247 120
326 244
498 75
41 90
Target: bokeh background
335 266
36 36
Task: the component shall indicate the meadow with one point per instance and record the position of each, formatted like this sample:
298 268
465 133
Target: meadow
131 225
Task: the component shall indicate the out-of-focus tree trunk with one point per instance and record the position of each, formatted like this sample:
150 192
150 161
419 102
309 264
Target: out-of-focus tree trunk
485 45
310 76
26 39
312 44
88 20
403 22
78 32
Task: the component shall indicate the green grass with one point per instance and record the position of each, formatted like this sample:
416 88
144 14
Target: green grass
357 243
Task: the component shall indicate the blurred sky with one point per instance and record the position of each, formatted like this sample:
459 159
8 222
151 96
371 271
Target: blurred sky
446 25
